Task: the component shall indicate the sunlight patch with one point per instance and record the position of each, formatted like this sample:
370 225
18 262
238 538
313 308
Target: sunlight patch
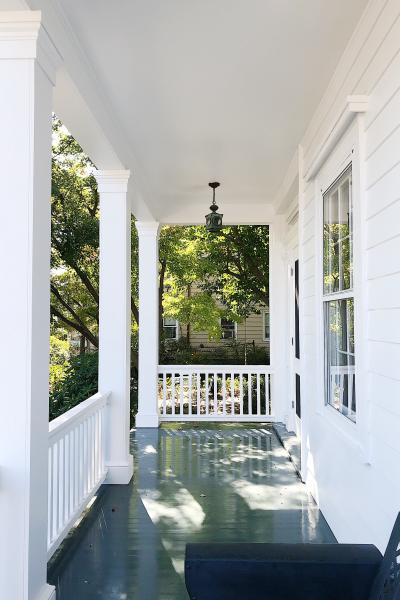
181 509
150 449
266 497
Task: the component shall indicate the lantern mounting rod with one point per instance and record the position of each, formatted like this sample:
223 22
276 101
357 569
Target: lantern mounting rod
214 185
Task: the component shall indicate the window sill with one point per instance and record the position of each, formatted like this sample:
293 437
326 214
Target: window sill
347 429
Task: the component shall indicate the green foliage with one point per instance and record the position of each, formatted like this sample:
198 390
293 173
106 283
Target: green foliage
78 384
59 360
227 274
74 237
200 310
181 353
230 271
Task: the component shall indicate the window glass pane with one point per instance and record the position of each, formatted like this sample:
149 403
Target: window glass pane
170 328
170 333
266 325
228 329
169 322
338 234
339 356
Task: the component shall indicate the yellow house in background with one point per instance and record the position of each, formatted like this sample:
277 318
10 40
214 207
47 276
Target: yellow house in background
252 331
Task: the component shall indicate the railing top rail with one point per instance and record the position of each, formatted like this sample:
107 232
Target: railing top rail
68 420
215 368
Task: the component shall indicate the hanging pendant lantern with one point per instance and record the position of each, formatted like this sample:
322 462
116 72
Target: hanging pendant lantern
214 219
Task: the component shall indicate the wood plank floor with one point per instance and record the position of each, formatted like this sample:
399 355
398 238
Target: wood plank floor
226 484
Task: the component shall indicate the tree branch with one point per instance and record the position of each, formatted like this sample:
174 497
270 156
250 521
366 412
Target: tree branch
75 316
93 339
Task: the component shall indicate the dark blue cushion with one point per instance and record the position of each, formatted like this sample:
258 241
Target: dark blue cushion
280 571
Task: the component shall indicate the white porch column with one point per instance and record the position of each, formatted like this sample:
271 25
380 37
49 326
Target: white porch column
148 324
28 61
115 319
278 319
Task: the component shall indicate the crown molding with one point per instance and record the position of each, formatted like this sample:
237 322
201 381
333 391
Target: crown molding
22 36
114 181
147 228
356 104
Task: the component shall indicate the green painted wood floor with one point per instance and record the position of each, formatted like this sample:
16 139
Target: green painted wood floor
223 484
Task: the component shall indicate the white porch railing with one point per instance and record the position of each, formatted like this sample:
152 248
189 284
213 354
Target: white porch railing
76 465
215 393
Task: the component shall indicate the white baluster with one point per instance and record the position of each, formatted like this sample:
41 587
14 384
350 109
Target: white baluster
181 394
215 393
164 395
241 393
232 394
258 396
224 394
50 497
190 382
173 393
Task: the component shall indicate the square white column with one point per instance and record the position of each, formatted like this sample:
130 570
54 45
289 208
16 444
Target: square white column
278 319
28 61
147 415
115 319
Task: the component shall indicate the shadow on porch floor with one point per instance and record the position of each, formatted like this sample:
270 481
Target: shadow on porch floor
221 483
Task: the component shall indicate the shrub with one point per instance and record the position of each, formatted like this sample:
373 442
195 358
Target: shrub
59 361
78 383
181 353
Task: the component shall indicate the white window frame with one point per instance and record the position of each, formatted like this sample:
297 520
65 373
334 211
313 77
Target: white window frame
332 296
170 327
349 148
266 312
235 331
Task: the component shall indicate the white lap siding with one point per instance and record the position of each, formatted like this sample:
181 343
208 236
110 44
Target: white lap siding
354 472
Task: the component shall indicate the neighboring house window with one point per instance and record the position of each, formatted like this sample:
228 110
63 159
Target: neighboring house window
170 328
228 329
266 325
338 296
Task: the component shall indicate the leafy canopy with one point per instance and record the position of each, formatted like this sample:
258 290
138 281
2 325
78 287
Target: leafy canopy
202 276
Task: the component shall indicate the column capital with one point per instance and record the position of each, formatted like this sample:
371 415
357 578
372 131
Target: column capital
113 181
147 228
22 36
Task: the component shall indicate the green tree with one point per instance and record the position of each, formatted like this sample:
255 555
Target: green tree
231 266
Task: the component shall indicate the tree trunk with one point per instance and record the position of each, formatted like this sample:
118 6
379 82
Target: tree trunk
82 344
188 328
161 297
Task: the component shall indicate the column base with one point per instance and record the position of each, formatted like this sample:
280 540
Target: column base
147 420
119 474
48 592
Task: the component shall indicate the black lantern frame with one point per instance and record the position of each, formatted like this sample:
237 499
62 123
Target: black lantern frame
214 218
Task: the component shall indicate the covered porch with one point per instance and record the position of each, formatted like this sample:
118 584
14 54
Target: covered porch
204 483
294 108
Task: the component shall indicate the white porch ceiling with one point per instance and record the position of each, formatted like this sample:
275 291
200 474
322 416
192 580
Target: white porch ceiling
208 90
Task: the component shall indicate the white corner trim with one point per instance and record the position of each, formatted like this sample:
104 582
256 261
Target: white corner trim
22 36
354 105
150 228
114 181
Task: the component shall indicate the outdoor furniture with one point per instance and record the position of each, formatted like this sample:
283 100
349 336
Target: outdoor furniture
294 571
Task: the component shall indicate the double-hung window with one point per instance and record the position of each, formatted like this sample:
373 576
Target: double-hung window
338 296
228 329
266 325
170 328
